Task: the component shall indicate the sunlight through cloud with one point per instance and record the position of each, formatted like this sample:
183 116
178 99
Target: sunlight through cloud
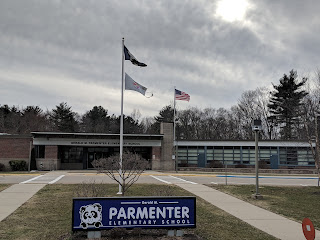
232 10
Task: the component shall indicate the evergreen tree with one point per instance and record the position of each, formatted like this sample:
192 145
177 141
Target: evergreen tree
64 119
131 126
165 115
285 103
96 120
10 119
33 119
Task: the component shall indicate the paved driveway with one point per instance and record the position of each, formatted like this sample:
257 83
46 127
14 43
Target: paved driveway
74 177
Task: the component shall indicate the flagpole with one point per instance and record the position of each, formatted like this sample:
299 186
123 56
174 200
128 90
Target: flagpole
174 129
121 121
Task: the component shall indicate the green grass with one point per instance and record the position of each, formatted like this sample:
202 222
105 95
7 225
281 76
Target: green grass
295 203
47 215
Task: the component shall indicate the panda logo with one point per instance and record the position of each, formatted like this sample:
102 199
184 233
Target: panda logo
91 216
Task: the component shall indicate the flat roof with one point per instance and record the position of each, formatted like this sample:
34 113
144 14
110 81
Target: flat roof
7 135
237 143
94 135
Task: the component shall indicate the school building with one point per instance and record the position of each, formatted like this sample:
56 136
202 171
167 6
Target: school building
58 151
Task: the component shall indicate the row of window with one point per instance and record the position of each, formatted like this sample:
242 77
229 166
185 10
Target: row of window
80 154
245 155
189 156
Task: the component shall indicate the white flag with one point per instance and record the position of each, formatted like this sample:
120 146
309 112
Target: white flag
130 84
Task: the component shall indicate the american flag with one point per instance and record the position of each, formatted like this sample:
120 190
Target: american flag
179 95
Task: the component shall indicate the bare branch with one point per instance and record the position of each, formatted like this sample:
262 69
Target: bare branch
125 174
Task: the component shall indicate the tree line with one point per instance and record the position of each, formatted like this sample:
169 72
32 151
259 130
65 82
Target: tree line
288 112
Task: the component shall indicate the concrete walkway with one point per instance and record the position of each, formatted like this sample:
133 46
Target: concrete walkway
16 195
271 223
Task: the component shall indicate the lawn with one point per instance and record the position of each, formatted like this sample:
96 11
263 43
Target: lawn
295 203
47 215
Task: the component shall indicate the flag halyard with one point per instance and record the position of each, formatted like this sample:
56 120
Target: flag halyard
179 95
129 56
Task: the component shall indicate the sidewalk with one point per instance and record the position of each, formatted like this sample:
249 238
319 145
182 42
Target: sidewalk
16 195
271 223
13 197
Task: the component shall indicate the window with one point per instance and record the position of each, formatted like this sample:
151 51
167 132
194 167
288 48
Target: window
40 151
264 153
218 154
182 154
192 156
210 154
302 157
236 155
292 156
71 154
246 155
283 155
305 157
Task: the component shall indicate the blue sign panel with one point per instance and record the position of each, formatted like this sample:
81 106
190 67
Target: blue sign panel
143 212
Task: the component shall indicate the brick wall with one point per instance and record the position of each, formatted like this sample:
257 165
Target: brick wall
50 161
51 152
15 147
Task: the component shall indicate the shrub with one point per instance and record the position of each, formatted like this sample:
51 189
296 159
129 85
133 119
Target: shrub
215 164
18 165
263 164
183 163
240 166
2 167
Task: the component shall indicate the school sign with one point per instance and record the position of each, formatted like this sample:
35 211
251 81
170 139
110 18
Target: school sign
143 212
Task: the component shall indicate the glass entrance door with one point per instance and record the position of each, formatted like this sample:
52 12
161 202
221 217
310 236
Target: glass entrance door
91 157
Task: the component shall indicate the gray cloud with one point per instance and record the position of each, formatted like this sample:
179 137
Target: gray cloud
75 47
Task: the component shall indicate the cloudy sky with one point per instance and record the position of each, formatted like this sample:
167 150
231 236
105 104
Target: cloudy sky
54 51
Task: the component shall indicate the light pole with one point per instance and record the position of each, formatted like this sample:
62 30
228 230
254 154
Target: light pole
256 127
315 153
317 147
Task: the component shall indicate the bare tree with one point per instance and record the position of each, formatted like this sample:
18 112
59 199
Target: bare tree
207 123
136 115
310 117
125 174
189 123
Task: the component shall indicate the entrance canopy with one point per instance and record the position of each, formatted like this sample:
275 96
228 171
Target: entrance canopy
95 139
